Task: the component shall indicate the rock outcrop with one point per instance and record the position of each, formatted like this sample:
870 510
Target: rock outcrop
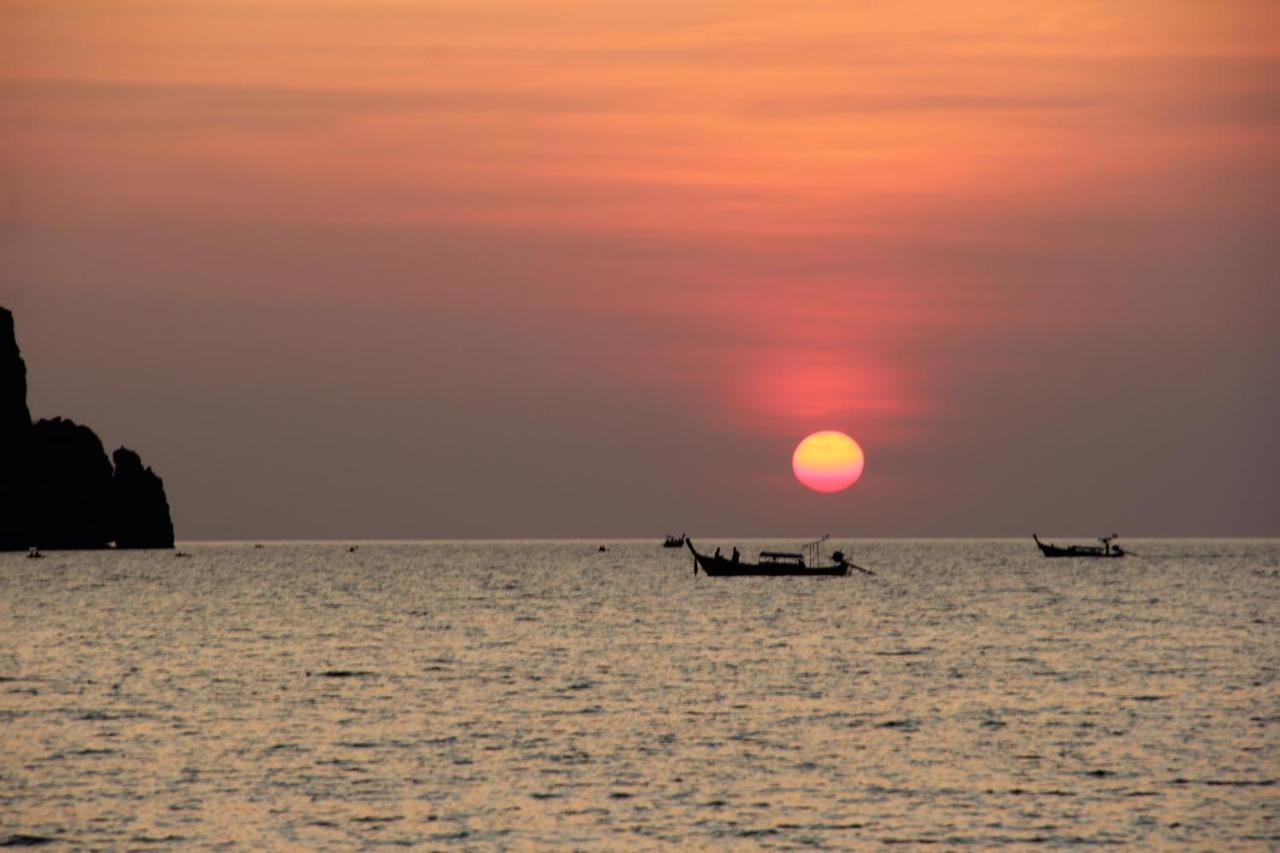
15 420
57 487
139 507
69 480
15 427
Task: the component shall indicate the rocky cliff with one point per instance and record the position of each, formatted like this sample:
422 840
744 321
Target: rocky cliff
140 509
14 417
57 487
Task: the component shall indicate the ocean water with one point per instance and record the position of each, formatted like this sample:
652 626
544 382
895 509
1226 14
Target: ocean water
527 694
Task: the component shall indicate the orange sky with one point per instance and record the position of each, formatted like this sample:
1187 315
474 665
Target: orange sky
754 219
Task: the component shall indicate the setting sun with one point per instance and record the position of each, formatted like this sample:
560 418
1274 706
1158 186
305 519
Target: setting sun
828 461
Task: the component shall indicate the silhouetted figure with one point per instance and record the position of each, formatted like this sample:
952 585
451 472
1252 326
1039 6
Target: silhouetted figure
735 554
717 555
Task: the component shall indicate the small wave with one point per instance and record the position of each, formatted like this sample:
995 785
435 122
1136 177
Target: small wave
345 673
21 839
290 747
460 835
904 725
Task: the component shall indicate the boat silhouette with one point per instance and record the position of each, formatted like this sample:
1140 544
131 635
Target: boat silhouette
1106 549
771 564
673 541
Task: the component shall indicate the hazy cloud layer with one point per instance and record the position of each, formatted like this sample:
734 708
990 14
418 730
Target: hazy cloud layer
499 268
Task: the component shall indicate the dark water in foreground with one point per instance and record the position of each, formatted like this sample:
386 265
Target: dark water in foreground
537 693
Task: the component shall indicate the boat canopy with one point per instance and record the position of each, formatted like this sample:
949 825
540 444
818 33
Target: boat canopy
782 557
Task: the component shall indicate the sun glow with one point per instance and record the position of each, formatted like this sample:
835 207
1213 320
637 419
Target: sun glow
828 461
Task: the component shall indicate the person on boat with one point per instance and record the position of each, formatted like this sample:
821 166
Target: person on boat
735 554
717 555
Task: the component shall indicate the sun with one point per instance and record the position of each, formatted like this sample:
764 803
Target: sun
828 461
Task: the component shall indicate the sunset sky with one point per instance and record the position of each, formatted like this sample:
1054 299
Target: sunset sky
347 268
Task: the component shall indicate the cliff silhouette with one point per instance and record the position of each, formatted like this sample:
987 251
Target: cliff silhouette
58 489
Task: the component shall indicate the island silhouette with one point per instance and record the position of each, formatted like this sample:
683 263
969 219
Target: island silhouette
58 489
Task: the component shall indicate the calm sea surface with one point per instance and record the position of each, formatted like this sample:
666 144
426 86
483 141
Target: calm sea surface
495 694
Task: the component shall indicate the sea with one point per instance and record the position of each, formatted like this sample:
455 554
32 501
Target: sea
549 694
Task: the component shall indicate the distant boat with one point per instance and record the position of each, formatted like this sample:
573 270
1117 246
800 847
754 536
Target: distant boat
1106 549
34 554
771 564
673 541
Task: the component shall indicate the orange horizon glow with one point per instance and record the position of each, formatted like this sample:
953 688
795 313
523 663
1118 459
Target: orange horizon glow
828 461
821 182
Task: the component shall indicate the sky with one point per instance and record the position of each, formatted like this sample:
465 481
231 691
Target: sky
562 268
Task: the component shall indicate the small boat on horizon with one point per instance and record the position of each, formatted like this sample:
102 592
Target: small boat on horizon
1106 549
673 541
772 563
33 553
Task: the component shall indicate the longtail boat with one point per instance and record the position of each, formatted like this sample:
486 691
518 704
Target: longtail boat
1106 549
673 541
771 564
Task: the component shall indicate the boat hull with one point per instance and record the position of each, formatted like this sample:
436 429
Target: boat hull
727 569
